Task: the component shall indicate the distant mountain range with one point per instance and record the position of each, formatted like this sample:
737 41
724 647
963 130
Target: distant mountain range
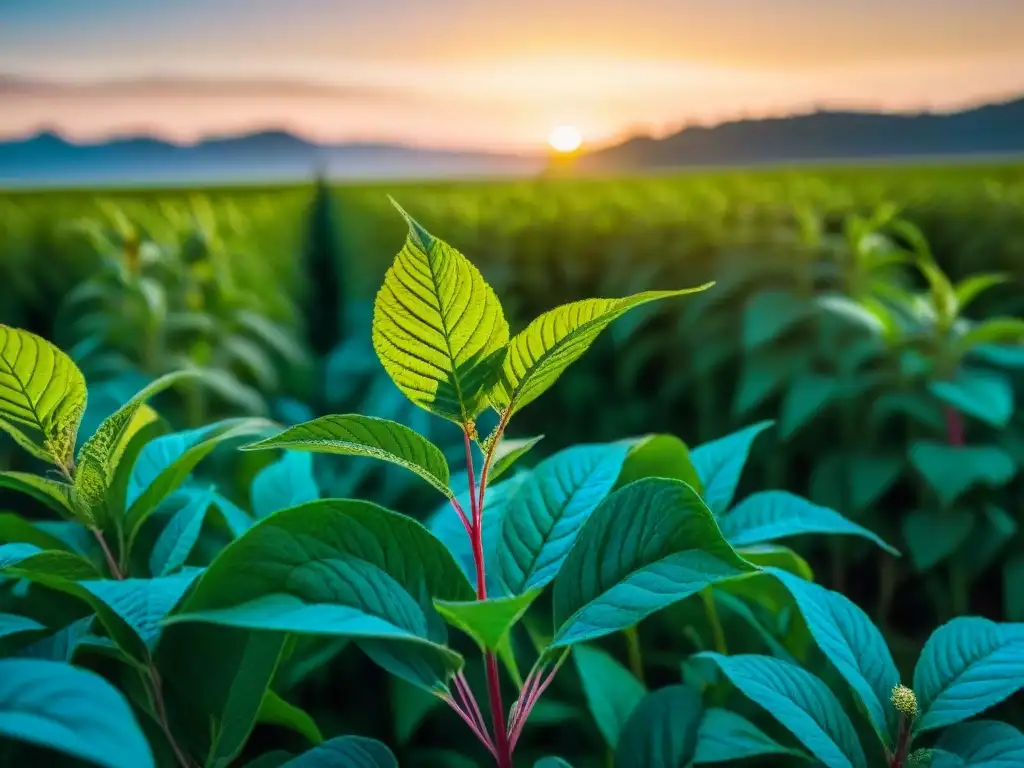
994 129
49 159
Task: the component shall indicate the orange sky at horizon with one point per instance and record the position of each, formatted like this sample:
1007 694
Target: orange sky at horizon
453 73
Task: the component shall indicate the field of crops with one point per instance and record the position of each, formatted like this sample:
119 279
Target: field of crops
863 342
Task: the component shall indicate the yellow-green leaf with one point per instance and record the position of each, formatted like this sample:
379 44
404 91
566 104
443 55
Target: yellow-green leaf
355 435
57 495
552 342
508 452
100 455
969 289
486 621
438 328
42 396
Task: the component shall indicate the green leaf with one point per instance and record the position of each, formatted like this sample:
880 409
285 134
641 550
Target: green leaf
70 710
932 535
540 353
968 289
725 736
551 762
984 744
967 666
15 530
808 394
102 452
287 482
985 395
659 456
612 693
25 558
856 648
508 452
996 330
662 731
1001 355
854 481
13 624
166 462
354 435
276 711
770 515
410 706
952 470
544 516
771 313
646 546
346 752
56 495
42 396
438 328
776 556
486 621
992 531
764 374
798 700
720 463
339 567
180 534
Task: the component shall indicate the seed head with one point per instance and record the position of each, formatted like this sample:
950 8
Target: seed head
920 757
904 700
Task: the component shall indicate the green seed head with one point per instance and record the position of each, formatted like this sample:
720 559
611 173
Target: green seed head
904 700
920 757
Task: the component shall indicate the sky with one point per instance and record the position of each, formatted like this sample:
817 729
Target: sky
487 74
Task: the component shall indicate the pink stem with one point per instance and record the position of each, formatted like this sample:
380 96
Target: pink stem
484 739
467 694
954 426
534 698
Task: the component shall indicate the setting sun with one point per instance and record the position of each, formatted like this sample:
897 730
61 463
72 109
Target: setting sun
565 138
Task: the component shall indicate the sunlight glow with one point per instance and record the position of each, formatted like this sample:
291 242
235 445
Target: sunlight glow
565 138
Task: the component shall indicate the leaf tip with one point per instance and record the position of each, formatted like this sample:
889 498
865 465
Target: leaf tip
417 233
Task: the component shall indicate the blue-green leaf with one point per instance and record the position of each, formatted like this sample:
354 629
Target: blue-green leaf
967 666
176 540
856 648
346 752
984 744
985 395
276 711
544 516
725 736
934 535
662 731
771 515
339 567
356 435
646 546
612 693
551 762
13 624
720 463
800 702
287 482
951 470
70 710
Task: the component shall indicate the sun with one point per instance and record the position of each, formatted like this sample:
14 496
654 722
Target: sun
565 138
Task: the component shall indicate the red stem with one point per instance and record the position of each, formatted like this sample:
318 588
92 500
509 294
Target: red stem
954 426
111 562
899 756
501 743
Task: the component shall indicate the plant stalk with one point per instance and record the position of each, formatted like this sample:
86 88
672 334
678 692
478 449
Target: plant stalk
717 633
634 653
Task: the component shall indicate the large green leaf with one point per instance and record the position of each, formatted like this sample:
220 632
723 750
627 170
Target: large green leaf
934 535
659 456
984 744
544 516
176 540
806 397
539 353
486 621
339 567
354 435
853 644
165 463
854 481
287 482
952 470
612 693
646 546
42 396
662 731
967 666
15 530
800 702
345 752
720 463
725 736
57 495
13 624
771 515
102 452
985 395
438 328
70 710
